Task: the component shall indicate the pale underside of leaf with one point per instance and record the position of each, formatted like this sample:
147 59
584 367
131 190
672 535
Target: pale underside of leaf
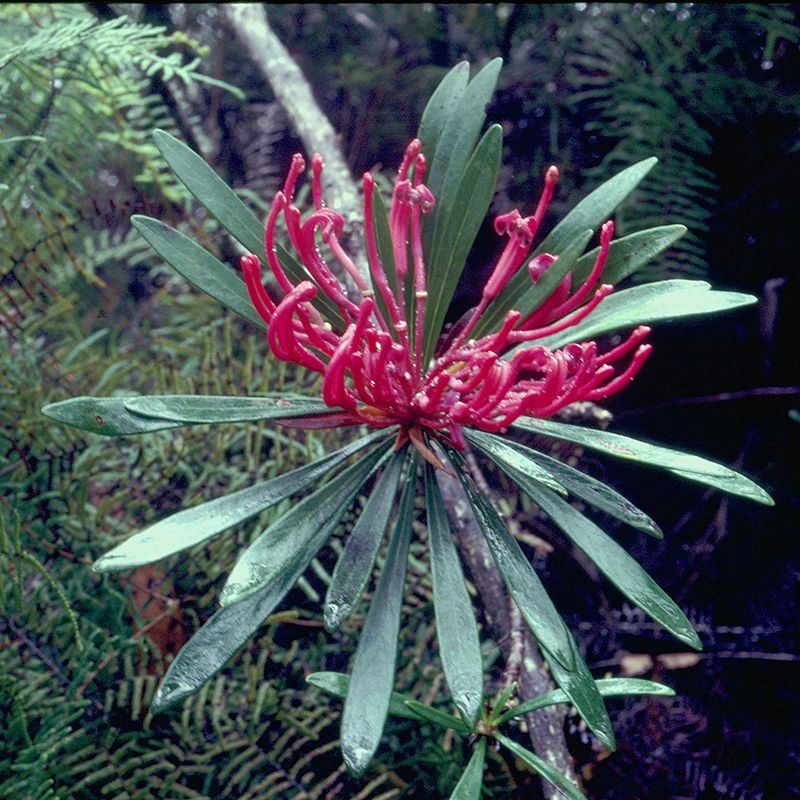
686 465
193 526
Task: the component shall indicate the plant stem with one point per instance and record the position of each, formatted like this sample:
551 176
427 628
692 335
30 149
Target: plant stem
524 661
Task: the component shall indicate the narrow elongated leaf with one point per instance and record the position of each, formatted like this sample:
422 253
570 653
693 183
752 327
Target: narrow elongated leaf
651 302
596 207
220 637
613 561
456 630
198 266
525 296
189 409
354 565
577 483
337 683
542 767
568 668
443 103
686 465
452 183
460 229
503 451
104 415
370 690
581 688
192 526
447 721
220 200
519 576
628 254
283 547
224 204
471 781
231 626
460 123
567 242
608 687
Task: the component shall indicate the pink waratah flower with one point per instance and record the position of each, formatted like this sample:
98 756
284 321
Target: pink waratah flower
373 371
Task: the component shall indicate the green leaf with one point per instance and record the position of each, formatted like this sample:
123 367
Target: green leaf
224 204
190 409
452 182
613 561
193 526
471 781
500 700
460 228
456 630
686 465
337 683
444 102
439 718
581 688
596 207
198 266
503 451
542 767
104 415
519 576
370 690
628 254
354 566
460 133
525 296
305 527
608 687
567 240
651 302
231 626
220 200
577 483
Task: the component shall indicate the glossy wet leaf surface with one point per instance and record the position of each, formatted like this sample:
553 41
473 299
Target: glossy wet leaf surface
231 626
106 416
686 465
368 696
456 629
542 767
305 527
577 483
652 302
522 581
354 566
193 526
614 562
203 270
202 409
471 781
608 687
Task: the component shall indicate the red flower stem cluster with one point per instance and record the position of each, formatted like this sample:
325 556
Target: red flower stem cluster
373 370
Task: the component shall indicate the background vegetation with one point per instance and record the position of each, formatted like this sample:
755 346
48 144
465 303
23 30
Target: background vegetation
87 309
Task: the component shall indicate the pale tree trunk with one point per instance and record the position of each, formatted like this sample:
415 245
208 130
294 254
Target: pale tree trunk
250 25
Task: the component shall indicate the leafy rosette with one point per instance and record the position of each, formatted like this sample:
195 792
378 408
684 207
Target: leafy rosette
418 394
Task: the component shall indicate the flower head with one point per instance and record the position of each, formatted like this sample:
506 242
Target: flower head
372 367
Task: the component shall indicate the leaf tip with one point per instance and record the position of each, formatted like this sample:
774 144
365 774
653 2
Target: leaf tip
356 758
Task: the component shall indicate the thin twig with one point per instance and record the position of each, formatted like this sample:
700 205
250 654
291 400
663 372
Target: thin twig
708 399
